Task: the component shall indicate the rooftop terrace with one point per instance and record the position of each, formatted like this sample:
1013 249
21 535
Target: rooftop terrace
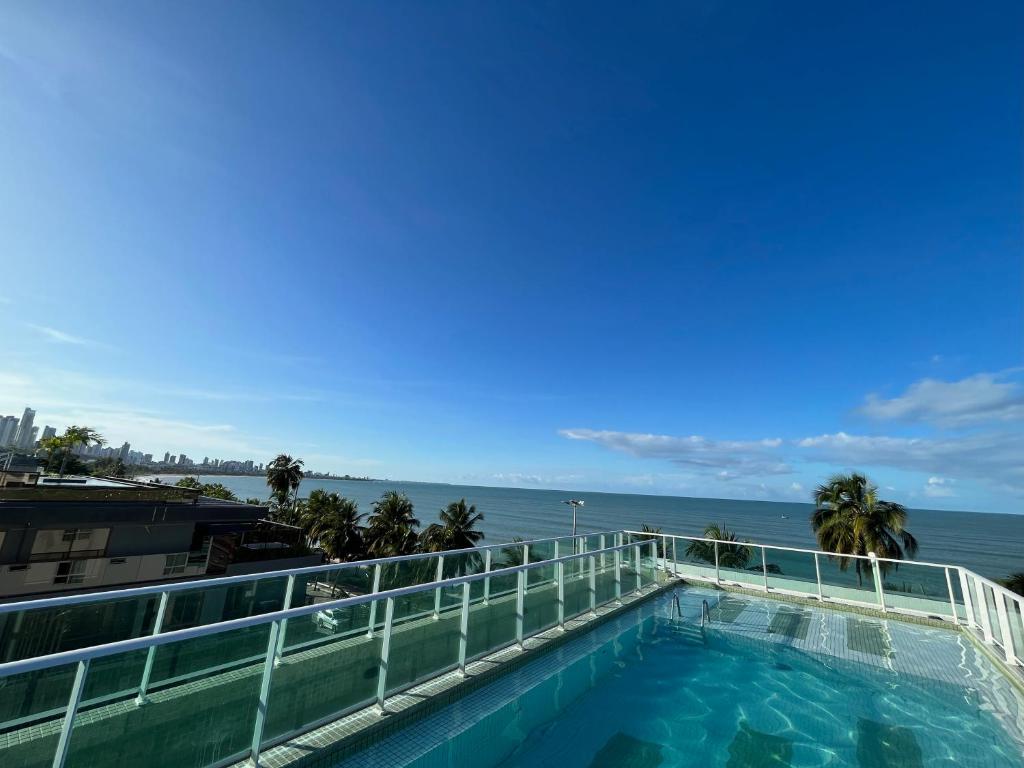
264 668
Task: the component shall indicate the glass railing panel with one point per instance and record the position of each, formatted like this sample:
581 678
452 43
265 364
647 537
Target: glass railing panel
197 724
407 573
32 706
543 575
740 563
577 590
31 633
540 606
462 564
328 624
606 580
1014 618
691 558
791 571
314 683
977 606
915 587
848 578
993 616
505 557
492 625
422 647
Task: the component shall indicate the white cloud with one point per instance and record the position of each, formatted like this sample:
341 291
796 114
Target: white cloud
727 459
997 458
939 487
796 488
61 337
978 399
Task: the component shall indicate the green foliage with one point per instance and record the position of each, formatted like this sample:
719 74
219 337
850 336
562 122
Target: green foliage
284 474
392 526
731 552
334 522
110 468
1014 582
850 519
213 490
457 529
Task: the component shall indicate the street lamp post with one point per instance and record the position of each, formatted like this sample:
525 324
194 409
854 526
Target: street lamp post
573 503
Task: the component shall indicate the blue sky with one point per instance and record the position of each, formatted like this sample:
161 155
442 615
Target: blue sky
714 249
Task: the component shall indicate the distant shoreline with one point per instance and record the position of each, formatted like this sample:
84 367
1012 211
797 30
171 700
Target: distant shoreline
200 471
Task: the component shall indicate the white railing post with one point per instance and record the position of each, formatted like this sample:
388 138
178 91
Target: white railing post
718 573
675 558
560 572
817 576
147 671
288 591
986 622
764 568
601 546
520 605
385 653
1004 627
66 726
264 697
968 602
437 592
952 597
487 581
876 574
618 576
464 628
373 605
593 585
636 567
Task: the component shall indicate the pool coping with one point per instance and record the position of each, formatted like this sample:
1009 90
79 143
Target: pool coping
327 745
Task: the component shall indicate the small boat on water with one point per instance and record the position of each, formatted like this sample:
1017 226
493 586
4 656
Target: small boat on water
785 517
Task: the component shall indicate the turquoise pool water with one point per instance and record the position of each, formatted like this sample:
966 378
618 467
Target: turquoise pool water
766 685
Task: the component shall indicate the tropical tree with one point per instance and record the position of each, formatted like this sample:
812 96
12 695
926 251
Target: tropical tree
456 529
392 525
731 552
75 436
54 447
111 467
1014 582
655 533
850 519
334 522
284 475
213 490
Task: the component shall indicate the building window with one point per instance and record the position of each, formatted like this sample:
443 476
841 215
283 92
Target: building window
175 564
69 543
70 572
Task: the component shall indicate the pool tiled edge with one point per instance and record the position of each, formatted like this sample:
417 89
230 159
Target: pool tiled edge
325 746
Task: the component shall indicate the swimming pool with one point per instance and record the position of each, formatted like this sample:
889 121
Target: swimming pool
765 685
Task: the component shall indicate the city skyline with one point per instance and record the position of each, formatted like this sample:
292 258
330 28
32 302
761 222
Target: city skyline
713 252
15 435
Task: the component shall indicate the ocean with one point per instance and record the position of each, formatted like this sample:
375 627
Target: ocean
989 544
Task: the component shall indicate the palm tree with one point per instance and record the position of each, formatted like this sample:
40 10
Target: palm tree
52 445
456 530
333 521
850 519
392 526
75 436
730 555
1014 582
284 474
655 534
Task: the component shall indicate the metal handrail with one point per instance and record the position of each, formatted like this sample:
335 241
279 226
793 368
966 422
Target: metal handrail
998 631
189 633
788 549
220 581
